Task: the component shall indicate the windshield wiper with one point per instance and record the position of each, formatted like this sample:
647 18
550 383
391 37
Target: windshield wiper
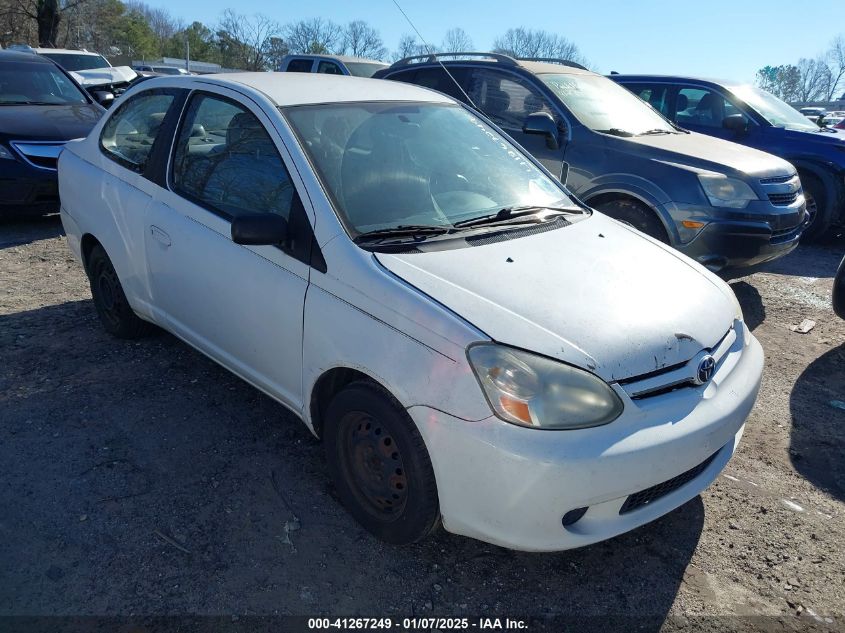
616 132
30 103
417 232
655 131
507 215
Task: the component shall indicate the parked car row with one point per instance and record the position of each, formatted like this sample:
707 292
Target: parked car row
418 272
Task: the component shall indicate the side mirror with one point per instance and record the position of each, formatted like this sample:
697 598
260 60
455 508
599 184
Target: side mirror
103 97
735 122
542 123
259 229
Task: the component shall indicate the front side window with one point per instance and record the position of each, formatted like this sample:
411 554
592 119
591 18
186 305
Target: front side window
393 165
225 160
604 106
37 84
700 106
506 99
74 61
129 134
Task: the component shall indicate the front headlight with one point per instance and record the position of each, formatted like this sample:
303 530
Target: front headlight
534 391
726 192
6 153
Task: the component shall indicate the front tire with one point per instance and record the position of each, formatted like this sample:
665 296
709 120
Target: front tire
380 465
110 301
818 206
637 215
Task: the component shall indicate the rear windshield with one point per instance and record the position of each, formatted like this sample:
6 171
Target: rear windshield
36 84
74 62
363 69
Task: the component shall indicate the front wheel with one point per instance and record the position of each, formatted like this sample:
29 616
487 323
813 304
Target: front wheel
380 465
818 209
110 301
637 215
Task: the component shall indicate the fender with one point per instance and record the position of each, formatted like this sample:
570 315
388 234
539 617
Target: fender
827 173
635 187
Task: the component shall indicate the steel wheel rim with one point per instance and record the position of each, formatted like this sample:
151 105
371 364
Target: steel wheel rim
373 465
812 207
108 294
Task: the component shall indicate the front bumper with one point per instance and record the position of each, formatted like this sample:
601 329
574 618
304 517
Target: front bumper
511 486
27 190
742 240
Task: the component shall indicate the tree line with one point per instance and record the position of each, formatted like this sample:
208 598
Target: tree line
133 29
821 78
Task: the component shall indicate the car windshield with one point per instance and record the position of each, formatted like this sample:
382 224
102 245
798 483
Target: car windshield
605 106
36 83
393 165
363 69
74 61
775 111
167 70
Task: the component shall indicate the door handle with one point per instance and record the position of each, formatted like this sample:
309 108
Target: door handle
159 235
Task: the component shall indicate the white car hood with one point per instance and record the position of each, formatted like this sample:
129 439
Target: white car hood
100 76
596 294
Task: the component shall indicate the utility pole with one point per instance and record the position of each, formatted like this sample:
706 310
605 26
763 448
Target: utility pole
187 53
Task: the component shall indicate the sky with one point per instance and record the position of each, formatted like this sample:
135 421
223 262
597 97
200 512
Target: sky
718 38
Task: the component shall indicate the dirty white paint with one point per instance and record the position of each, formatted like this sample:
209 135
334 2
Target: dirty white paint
792 505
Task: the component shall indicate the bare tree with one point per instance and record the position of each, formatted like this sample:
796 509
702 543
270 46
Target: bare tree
456 40
815 80
522 42
362 40
161 23
836 62
409 45
313 36
248 40
47 15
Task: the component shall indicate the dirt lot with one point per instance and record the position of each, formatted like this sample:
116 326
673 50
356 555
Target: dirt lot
142 479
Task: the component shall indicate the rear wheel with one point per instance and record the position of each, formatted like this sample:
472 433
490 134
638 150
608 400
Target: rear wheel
818 207
636 214
114 310
380 465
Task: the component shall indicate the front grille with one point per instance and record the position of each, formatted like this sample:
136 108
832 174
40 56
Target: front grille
783 199
776 180
645 497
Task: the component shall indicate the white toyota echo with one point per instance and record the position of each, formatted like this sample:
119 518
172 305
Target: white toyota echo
471 343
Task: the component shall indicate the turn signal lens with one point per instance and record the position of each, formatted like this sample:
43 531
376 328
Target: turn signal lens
692 224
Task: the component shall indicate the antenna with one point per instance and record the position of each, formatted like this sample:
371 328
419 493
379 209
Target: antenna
432 53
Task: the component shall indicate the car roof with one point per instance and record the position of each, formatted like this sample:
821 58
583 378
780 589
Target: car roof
678 79
539 66
21 56
65 51
341 58
287 89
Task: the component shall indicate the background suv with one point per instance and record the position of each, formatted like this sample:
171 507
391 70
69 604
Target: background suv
746 114
331 65
720 203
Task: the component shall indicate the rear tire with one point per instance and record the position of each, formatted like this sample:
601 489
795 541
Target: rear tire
818 205
114 310
380 465
637 215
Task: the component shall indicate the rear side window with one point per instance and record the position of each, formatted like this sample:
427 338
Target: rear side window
129 134
437 79
507 99
300 66
329 68
226 161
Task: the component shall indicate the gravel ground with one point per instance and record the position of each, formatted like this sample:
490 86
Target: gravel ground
139 478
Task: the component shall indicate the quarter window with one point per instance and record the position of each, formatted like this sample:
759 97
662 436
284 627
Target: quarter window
226 161
129 134
300 65
507 100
